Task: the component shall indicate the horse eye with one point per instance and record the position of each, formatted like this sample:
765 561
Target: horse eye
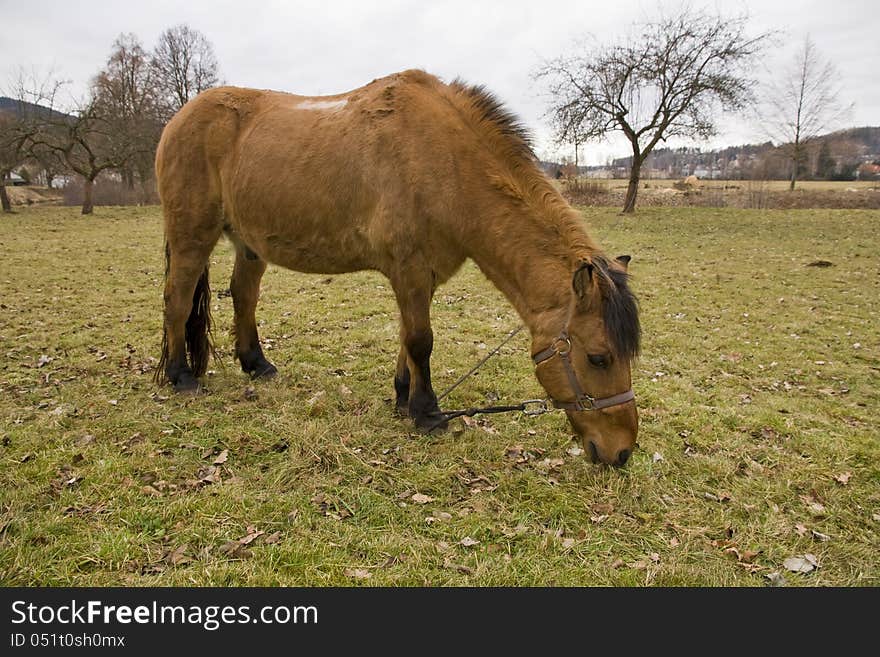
597 360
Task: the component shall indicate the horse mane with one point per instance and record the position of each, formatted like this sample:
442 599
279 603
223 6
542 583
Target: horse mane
491 112
620 308
524 181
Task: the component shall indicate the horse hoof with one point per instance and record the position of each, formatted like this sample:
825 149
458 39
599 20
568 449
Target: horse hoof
431 423
264 371
187 385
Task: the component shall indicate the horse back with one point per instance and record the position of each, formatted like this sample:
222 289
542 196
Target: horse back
320 183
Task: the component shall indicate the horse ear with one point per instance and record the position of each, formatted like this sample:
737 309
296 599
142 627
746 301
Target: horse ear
623 260
582 279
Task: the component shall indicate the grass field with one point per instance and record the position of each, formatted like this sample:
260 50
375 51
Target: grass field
757 389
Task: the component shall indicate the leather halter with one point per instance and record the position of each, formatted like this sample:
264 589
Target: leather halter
582 401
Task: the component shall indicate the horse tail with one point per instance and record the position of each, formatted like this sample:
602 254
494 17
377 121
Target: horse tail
199 341
159 376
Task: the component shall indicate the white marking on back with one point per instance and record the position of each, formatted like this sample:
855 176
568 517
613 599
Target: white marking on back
322 104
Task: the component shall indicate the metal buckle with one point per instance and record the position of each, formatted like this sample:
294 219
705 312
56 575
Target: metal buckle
540 407
586 403
565 341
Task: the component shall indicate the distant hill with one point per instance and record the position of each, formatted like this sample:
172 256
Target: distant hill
24 108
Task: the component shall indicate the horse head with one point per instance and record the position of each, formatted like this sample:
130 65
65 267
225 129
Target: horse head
586 369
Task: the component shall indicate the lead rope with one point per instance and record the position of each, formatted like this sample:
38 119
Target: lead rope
481 363
539 404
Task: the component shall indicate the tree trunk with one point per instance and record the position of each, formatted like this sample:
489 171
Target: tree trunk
796 160
88 186
632 190
4 197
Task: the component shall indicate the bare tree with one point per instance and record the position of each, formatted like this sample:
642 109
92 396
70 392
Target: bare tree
10 149
126 97
184 64
803 104
666 82
33 100
88 143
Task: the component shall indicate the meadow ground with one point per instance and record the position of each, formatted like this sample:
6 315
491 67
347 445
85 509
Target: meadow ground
757 388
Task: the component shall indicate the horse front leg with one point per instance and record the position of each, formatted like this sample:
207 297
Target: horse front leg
245 288
414 293
401 381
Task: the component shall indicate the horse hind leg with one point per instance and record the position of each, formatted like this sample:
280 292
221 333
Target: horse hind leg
245 288
186 343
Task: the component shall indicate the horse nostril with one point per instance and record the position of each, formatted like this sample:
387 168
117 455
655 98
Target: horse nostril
594 454
623 456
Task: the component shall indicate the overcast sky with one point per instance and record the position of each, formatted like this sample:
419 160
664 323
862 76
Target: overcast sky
327 46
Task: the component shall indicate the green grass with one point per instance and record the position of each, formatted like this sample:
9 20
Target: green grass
757 389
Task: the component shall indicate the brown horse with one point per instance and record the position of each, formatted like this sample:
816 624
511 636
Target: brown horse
408 176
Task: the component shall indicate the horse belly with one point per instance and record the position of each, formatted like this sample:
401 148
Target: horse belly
296 214
305 249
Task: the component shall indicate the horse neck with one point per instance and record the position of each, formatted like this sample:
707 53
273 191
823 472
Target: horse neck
531 261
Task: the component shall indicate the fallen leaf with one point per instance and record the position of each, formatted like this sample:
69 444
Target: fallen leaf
177 556
235 550
209 475
776 579
800 529
599 518
550 464
467 541
657 457
819 536
252 535
250 393
843 478
449 565
357 573
574 451
801 564
567 543
222 457
419 498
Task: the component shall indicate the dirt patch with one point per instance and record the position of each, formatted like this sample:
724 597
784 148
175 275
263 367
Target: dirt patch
32 195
